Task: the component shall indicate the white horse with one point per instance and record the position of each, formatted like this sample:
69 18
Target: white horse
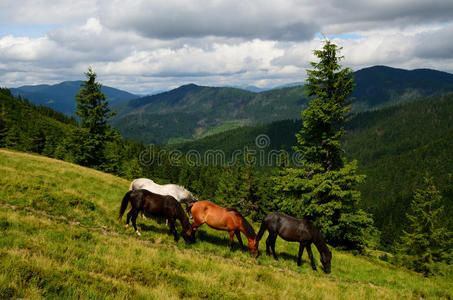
176 191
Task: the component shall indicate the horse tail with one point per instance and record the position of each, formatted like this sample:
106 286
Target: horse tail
124 204
262 230
131 187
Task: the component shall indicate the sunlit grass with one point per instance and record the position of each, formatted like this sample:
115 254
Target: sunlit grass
59 236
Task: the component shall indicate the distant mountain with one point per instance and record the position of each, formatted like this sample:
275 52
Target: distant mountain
255 89
381 86
61 96
191 111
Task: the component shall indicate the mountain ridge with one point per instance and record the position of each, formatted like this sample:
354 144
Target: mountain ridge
60 96
202 110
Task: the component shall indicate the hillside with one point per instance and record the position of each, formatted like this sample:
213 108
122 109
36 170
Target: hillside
27 127
192 112
60 96
60 238
395 147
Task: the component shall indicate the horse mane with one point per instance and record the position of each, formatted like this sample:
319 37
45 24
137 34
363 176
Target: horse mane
247 227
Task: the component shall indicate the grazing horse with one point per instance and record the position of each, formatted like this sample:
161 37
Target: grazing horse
176 191
226 219
158 205
295 230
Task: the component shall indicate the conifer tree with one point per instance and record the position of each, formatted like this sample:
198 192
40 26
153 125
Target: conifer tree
424 239
93 110
325 188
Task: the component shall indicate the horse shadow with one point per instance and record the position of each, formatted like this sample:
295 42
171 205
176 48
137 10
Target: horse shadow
162 229
219 240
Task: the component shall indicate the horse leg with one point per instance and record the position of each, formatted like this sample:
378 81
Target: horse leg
134 219
310 255
231 239
173 228
238 236
301 251
268 245
129 215
270 242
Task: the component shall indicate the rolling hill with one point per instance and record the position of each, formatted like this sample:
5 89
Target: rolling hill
61 96
396 148
60 238
192 112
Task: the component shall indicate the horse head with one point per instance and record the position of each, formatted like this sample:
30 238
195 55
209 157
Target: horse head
253 247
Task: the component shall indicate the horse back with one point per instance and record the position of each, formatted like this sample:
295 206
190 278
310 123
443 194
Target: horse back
289 228
215 216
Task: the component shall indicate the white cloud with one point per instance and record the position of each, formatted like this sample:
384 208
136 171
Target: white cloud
149 45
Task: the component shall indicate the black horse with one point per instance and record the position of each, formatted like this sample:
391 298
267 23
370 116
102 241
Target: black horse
158 205
295 230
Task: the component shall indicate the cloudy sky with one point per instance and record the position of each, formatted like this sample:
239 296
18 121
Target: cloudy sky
144 46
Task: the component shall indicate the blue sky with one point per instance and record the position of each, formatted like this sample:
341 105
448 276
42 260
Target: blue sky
144 46
18 30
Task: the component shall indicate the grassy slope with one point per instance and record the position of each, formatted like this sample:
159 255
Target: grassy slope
59 236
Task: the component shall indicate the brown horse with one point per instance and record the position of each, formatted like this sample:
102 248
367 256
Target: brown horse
227 219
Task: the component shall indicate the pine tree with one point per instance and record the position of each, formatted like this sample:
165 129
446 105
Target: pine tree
93 110
424 239
324 189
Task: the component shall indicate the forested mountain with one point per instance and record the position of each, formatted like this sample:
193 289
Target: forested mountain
396 148
381 86
191 111
61 96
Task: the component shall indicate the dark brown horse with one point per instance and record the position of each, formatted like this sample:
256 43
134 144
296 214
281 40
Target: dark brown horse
158 205
226 219
295 230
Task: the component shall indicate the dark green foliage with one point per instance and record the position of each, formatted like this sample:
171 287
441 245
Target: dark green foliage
238 187
325 188
425 239
94 112
92 105
26 127
330 85
396 147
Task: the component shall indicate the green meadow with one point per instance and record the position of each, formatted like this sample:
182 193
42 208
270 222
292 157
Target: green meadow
60 238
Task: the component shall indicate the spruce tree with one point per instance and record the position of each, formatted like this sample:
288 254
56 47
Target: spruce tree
324 189
93 111
424 239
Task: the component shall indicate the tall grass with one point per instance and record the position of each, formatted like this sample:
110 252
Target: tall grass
59 237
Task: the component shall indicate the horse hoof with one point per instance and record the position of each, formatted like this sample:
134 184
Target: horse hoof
126 226
138 233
